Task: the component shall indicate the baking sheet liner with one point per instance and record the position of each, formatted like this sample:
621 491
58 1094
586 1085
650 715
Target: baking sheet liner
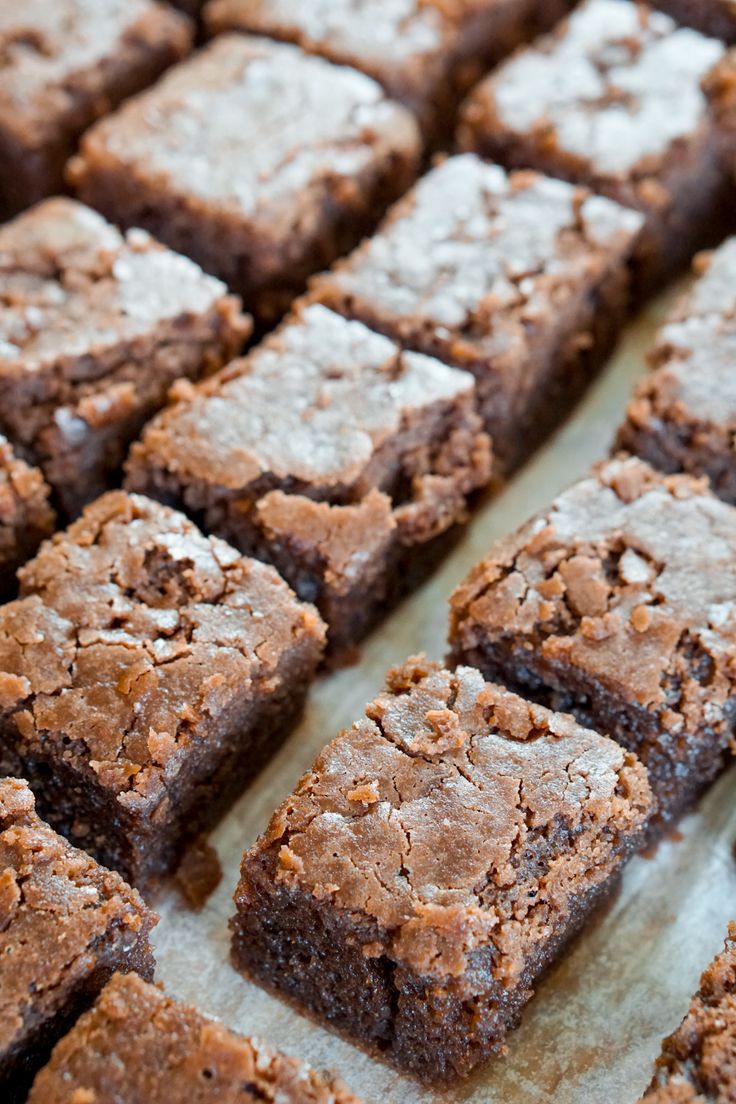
591 1033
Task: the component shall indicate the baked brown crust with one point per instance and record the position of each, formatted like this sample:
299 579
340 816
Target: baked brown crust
25 514
141 1046
360 905
66 924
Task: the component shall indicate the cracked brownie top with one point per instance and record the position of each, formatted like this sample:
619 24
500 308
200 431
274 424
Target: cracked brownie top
629 576
56 908
616 88
695 352
54 55
71 287
698 1061
252 127
134 633
457 816
474 257
25 514
140 1045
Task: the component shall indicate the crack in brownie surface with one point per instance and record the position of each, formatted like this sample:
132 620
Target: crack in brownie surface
518 278
143 1047
329 452
433 861
618 604
146 673
94 328
65 925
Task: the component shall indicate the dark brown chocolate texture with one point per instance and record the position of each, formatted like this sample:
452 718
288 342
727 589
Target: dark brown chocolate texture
519 279
618 604
612 99
698 1061
261 162
682 416
139 1046
94 329
66 925
146 673
712 17
330 453
25 514
63 63
433 862
425 53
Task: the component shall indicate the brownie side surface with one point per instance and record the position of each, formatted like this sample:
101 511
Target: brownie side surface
711 17
329 452
698 1061
613 100
25 514
63 65
147 673
425 55
138 1045
94 329
520 279
261 162
682 415
423 943
66 924
617 604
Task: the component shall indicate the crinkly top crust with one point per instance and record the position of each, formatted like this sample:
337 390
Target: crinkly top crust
351 394
478 256
629 576
456 815
698 1062
25 513
56 907
695 351
133 633
52 51
139 1045
72 286
249 126
616 87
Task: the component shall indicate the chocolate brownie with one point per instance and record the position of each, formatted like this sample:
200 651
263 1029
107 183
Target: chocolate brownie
520 279
613 100
698 1062
25 515
618 604
139 1046
94 328
720 88
258 160
63 63
712 17
425 53
329 453
146 673
432 863
66 925
682 416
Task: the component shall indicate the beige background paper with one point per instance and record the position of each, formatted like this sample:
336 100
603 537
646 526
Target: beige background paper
594 1028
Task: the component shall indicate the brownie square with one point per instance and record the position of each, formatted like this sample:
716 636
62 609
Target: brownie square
94 328
66 925
257 160
425 53
25 514
616 604
613 100
698 1061
712 17
433 862
63 63
682 416
139 1046
518 278
330 453
146 673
